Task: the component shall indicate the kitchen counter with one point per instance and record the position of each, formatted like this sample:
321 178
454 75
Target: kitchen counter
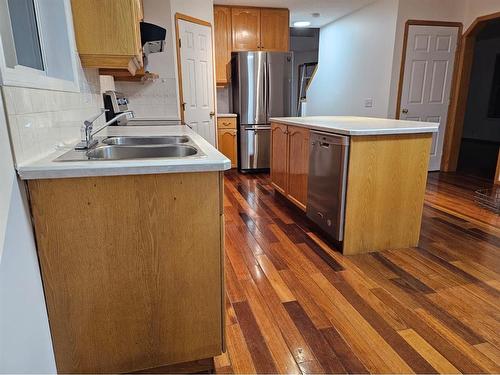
352 125
47 168
226 114
362 180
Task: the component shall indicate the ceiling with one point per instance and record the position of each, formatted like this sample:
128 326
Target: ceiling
301 10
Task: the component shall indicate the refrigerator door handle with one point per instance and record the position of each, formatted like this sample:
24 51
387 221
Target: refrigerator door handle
266 90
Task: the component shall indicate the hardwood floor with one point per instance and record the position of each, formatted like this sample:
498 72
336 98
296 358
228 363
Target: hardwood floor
295 305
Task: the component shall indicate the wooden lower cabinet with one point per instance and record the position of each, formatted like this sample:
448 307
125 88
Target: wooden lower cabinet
120 260
279 157
298 165
228 145
290 162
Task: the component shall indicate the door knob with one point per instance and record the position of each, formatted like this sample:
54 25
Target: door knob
212 114
405 110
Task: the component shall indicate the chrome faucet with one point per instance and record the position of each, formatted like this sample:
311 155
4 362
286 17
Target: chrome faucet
87 129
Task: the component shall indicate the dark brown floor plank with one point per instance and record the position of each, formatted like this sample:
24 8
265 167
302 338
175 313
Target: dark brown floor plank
259 351
326 356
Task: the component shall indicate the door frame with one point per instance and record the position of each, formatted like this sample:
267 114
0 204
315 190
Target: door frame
458 104
455 69
185 17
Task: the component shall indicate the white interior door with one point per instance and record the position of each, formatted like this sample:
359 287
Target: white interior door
430 57
197 78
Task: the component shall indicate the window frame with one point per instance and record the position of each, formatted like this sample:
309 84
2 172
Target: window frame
23 76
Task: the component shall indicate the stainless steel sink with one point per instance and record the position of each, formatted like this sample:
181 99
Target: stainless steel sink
140 152
139 141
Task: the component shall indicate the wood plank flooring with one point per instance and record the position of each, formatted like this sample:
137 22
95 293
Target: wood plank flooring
296 305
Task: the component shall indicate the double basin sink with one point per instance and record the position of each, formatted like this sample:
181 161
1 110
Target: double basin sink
130 147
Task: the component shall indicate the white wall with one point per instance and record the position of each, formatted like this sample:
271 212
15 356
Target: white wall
355 63
25 342
477 8
356 53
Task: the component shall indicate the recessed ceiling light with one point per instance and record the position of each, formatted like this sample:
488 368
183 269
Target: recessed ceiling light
301 23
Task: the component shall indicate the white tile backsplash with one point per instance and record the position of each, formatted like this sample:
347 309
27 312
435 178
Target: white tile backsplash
151 99
40 121
223 102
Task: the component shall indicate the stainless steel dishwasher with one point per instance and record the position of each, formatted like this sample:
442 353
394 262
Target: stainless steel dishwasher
328 159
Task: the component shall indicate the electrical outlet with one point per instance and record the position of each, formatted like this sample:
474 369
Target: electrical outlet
368 103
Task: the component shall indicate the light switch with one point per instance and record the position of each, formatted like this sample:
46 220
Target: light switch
368 103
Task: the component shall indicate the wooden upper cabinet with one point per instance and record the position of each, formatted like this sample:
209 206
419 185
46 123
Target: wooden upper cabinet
108 33
298 165
222 33
274 29
279 157
245 29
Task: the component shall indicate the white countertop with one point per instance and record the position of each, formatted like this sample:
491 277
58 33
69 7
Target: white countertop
226 114
351 125
46 167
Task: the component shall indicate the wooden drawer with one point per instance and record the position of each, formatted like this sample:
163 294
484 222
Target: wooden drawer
226 123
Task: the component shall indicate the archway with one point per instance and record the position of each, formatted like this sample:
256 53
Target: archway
458 105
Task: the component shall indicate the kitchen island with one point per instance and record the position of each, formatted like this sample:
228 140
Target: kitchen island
378 205
131 254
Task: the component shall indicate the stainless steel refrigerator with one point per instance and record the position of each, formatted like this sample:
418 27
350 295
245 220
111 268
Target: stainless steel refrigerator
261 87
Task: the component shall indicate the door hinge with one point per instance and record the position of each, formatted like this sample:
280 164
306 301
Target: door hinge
180 43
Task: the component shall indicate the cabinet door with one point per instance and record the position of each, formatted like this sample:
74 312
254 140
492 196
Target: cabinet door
228 145
279 157
97 45
222 33
274 29
298 162
246 28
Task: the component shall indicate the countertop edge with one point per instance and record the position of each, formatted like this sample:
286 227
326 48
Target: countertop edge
358 132
27 173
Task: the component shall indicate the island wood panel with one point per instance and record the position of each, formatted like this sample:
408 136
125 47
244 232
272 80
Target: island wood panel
298 165
223 44
246 28
131 268
279 157
274 29
385 191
